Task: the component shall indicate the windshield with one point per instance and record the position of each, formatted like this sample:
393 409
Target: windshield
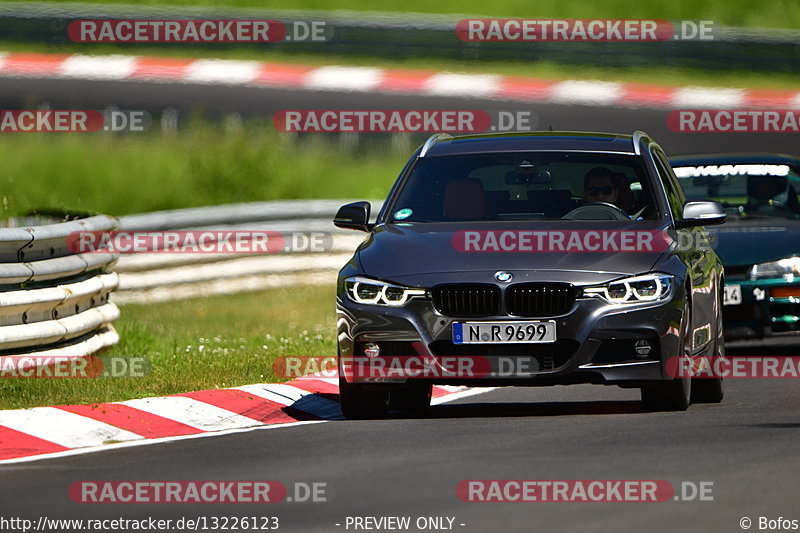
754 191
525 186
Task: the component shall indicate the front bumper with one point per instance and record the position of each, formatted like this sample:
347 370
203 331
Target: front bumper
595 344
762 312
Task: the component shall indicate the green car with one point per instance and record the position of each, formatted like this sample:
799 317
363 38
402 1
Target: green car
760 243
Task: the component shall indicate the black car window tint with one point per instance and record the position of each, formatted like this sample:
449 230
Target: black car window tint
514 186
675 195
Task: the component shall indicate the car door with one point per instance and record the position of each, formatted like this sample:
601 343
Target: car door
702 266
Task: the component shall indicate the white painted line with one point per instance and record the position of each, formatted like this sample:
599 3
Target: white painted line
112 67
290 396
707 98
222 71
586 92
466 85
192 412
63 427
335 78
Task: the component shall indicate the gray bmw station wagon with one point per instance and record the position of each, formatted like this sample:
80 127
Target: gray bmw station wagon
547 258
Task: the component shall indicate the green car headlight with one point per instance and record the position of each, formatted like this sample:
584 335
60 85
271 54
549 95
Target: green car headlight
783 268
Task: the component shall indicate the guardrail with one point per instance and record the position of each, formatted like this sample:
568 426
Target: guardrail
148 277
427 35
56 302
53 301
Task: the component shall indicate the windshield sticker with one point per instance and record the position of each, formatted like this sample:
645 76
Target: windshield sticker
403 213
732 170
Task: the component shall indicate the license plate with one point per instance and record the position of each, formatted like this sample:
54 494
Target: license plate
504 332
732 295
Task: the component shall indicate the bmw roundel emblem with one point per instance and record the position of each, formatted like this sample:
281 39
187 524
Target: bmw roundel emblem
503 277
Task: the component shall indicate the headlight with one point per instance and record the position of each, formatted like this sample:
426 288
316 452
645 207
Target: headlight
371 291
783 268
646 288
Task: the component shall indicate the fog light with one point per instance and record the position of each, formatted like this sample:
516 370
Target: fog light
372 350
643 348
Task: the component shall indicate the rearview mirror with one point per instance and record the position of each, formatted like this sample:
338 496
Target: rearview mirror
703 213
540 177
353 216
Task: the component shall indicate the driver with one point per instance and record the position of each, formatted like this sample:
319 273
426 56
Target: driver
762 189
766 193
599 186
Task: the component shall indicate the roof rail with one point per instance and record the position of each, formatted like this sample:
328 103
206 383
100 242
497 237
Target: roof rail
637 136
432 140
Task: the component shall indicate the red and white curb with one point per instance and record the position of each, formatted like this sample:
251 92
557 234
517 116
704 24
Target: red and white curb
57 431
393 81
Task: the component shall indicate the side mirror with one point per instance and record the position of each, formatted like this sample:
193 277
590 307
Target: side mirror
702 214
353 216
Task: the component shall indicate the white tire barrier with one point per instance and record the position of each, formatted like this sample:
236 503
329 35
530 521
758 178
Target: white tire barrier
53 301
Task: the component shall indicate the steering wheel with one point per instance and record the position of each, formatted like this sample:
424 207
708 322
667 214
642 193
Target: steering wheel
597 211
772 209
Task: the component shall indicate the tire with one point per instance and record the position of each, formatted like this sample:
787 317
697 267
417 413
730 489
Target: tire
674 394
712 390
360 403
707 390
415 396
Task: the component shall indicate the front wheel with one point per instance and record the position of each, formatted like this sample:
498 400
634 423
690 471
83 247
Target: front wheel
712 390
707 390
415 396
361 403
674 395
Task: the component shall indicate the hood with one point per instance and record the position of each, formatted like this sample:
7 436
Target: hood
421 251
741 242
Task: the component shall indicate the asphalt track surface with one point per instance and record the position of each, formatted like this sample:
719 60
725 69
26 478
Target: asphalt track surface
261 102
747 445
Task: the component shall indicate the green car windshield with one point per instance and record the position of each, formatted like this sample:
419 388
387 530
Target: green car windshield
745 190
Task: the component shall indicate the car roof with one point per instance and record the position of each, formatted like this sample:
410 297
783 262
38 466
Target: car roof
753 158
545 141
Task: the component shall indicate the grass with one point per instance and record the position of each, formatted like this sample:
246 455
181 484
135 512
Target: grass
200 164
221 341
539 69
767 13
